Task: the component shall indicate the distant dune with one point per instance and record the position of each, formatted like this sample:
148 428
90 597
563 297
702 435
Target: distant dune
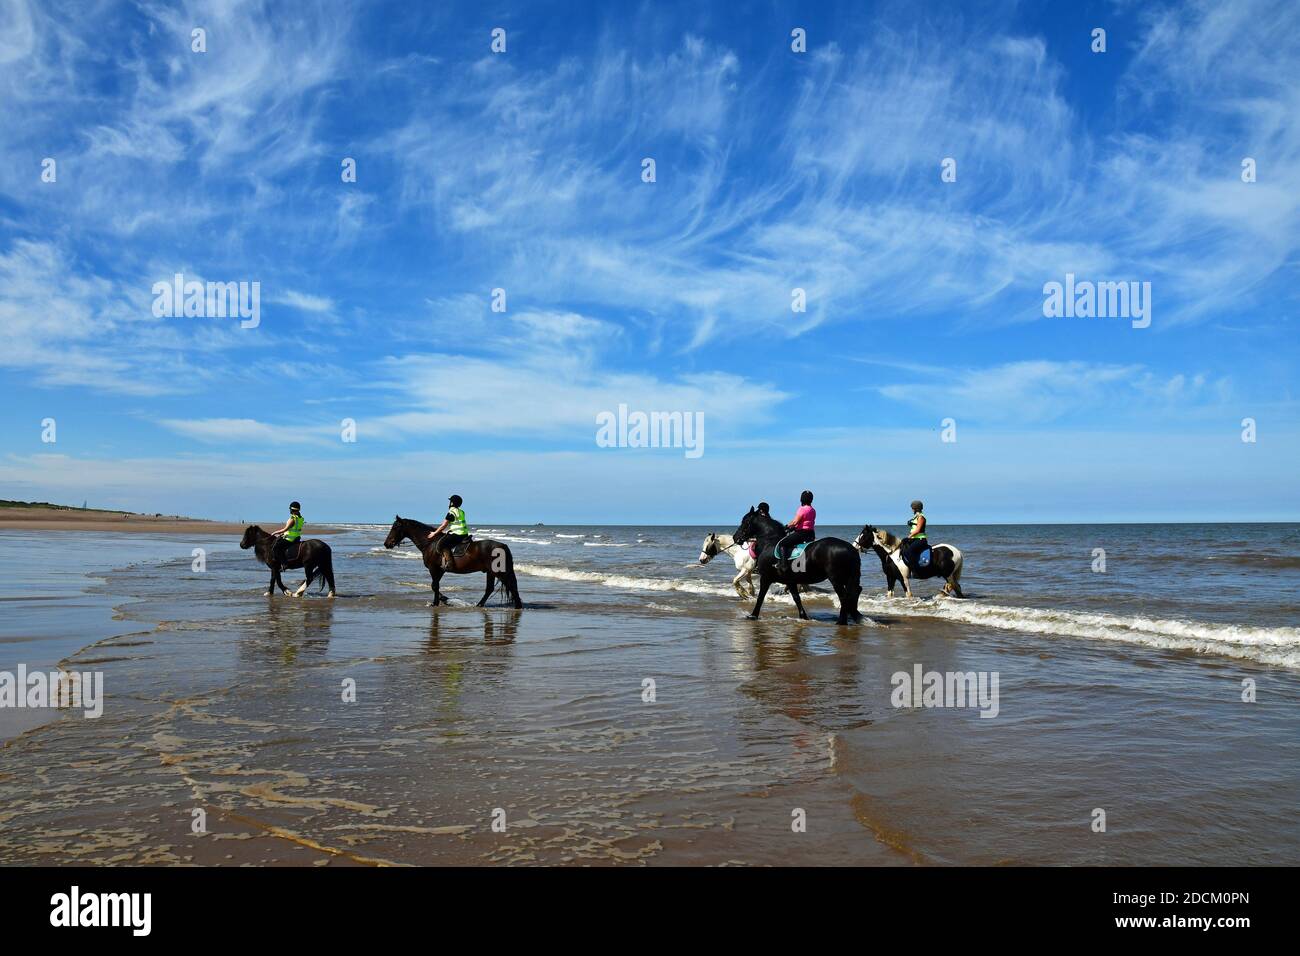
42 516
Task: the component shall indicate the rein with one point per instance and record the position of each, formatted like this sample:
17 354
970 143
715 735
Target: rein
721 550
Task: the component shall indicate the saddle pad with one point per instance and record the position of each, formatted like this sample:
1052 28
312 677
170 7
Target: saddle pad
794 555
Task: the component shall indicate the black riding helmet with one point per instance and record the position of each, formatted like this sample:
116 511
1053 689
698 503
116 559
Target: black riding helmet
294 506
918 505
456 501
805 498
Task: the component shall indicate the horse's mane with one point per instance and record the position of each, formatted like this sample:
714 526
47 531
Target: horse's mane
766 525
891 541
420 528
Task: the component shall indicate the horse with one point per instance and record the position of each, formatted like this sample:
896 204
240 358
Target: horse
824 559
716 544
491 557
313 556
945 561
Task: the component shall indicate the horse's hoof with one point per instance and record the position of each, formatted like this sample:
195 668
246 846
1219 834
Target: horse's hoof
266 594
331 594
751 617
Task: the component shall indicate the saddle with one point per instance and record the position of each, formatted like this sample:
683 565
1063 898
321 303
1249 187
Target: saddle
916 556
451 554
286 551
798 550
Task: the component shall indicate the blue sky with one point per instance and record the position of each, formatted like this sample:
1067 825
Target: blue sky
775 170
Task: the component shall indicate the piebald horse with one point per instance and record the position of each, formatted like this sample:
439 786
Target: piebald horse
945 561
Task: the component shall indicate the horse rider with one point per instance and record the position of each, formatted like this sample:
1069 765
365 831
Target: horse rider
802 528
915 542
455 528
289 534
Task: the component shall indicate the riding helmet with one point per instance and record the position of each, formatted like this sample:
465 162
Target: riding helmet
764 508
805 498
918 505
456 500
294 506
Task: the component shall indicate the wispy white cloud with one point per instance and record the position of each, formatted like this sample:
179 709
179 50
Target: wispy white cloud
1045 391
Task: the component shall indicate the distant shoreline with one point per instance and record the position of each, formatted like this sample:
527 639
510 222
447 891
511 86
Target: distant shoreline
36 518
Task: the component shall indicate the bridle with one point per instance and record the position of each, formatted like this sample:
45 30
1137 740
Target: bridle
718 549
880 544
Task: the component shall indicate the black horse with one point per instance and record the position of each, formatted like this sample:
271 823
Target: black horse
824 559
491 557
313 556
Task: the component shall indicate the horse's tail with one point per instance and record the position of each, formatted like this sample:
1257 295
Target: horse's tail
327 570
955 578
512 584
507 576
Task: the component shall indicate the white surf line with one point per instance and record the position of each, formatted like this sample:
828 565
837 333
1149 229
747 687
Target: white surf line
1278 646
626 582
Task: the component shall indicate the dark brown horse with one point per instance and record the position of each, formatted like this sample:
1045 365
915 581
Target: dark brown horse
490 557
313 556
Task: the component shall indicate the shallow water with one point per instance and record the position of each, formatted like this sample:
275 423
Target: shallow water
1120 691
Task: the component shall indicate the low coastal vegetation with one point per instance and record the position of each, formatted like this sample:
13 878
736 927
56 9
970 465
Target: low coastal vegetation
6 503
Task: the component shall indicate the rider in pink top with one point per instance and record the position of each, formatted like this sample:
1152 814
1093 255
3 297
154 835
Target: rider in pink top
803 528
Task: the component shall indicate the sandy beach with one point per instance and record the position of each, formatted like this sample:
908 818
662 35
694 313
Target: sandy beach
76 519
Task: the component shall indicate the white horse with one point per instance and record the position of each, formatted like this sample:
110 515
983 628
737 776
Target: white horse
716 544
945 561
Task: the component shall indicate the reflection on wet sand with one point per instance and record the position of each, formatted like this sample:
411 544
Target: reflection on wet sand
293 627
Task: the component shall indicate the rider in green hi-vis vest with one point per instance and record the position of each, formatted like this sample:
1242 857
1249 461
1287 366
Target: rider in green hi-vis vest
290 533
456 528
916 542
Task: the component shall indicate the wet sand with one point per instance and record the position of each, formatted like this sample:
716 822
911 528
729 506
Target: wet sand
59 519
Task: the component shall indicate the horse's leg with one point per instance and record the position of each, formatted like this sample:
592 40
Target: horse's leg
438 596
842 596
487 592
906 577
270 588
307 570
763 584
275 573
955 580
735 582
794 593
512 583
